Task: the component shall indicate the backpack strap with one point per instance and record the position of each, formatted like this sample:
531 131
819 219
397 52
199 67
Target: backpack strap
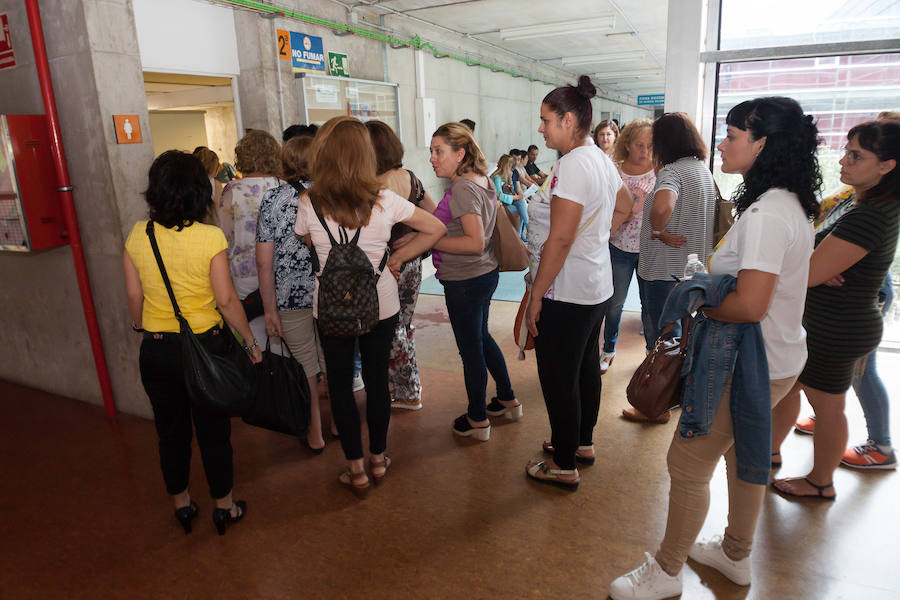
162 271
345 239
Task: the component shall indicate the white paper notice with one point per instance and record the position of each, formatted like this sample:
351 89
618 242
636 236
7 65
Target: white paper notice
326 94
531 191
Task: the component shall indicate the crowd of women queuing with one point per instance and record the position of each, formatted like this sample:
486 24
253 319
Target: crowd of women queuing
640 200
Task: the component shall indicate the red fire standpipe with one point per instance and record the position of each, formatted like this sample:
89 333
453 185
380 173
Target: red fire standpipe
65 196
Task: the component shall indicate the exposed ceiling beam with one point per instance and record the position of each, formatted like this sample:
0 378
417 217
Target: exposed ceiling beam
631 26
592 59
529 32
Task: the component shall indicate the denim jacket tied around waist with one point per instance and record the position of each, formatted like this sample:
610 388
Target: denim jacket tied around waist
717 352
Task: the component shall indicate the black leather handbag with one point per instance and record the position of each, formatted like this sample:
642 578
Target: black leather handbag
283 397
223 381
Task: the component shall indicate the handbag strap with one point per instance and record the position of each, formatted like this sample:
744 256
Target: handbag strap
162 270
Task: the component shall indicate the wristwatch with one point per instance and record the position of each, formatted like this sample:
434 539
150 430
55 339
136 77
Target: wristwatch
250 347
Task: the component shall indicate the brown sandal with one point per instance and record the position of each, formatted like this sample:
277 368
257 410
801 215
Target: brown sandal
353 481
379 468
633 414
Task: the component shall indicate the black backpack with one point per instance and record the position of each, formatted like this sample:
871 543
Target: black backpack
348 297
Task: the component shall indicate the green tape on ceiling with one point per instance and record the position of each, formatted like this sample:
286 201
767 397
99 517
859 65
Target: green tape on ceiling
416 42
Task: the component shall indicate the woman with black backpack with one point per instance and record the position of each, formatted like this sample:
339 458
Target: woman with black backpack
346 217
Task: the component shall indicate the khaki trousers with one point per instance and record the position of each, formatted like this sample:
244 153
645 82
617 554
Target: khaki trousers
691 465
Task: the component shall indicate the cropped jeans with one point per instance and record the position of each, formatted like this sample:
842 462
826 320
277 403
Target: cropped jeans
468 304
623 266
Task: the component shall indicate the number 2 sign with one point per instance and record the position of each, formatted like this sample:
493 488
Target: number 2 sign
284 44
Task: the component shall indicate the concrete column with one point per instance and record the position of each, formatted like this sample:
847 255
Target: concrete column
96 73
686 38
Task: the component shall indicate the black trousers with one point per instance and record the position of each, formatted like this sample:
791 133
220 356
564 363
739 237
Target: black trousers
163 377
375 350
567 349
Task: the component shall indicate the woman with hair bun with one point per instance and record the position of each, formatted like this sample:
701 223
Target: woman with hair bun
772 144
468 270
573 282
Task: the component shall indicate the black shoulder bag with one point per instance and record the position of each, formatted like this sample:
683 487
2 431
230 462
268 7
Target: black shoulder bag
221 381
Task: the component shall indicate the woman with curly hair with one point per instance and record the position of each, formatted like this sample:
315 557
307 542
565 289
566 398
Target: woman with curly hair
772 144
633 155
854 250
258 158
179 197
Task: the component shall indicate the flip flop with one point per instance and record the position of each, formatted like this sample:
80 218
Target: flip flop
820 489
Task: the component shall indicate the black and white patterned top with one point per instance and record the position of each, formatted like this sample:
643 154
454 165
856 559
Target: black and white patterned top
294 280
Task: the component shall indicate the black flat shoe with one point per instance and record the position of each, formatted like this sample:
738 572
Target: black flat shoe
186 514
315 451
222 516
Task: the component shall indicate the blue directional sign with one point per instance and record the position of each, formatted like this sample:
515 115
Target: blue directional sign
651 100
307 54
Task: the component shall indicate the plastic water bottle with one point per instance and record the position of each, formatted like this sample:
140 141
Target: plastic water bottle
693 266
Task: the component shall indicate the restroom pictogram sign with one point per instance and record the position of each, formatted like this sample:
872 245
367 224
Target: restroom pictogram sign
128 129
7 56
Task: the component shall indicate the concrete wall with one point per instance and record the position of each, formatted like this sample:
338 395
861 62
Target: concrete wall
96 72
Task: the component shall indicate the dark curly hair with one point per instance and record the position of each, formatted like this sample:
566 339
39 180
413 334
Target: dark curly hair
179 192
882 138
788 159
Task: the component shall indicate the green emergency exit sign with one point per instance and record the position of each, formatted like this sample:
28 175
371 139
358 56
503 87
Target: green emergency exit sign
337 64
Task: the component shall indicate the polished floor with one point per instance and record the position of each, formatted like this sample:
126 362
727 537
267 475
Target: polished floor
83 512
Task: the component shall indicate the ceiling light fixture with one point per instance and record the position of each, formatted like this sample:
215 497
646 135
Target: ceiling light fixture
603 58
622 34
620 74
511 34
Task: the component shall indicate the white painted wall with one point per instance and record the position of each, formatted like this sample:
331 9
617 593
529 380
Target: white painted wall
183 36
175 130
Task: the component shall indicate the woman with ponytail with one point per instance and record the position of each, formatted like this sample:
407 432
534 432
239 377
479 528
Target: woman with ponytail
573 283
772 144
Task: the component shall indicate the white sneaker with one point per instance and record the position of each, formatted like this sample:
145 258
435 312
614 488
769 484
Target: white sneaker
712 554
358 383
647 582
606 360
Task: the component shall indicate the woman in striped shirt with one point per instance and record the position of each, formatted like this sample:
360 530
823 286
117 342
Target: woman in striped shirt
842 319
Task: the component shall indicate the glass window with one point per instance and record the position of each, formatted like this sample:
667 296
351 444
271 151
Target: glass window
765 23
839 91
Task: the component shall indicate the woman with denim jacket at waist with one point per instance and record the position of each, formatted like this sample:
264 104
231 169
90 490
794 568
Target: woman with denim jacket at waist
772 144
179 196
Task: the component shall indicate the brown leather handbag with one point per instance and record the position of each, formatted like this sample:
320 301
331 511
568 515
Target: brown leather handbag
510 250
655 386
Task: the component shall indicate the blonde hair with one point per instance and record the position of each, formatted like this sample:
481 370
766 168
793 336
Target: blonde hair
459 136
258 152
888 115
345 186
209 159
630 133
505 167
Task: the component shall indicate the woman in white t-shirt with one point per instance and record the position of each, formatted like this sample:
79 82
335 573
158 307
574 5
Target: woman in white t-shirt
348 195
573 283
772 144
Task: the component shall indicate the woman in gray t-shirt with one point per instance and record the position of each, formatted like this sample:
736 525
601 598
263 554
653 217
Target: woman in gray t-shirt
467 268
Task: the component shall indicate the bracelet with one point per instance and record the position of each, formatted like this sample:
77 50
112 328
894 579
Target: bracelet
658 232
137 329
251 346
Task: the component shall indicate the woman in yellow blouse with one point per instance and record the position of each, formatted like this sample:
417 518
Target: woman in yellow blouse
194 254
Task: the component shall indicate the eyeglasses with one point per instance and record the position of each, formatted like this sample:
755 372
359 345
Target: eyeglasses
852 156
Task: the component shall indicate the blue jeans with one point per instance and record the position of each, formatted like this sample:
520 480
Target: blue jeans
873 397
623 266
468 303
653 298
520 207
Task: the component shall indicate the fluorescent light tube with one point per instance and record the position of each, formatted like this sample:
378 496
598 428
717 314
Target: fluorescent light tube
555 29
602 58
638 73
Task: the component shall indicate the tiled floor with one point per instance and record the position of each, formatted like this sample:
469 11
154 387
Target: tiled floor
83 513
